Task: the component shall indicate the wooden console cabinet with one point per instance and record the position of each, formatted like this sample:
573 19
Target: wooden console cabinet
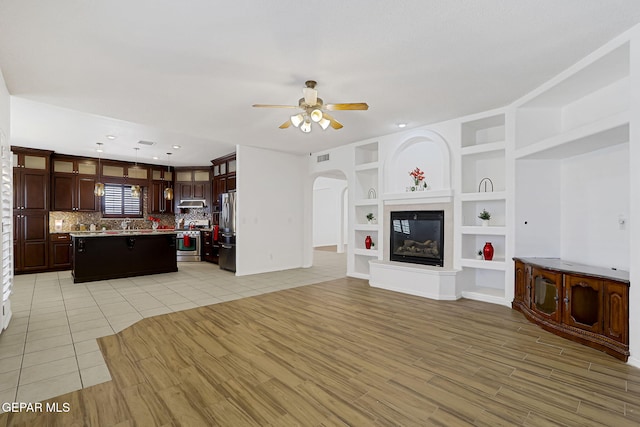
586 304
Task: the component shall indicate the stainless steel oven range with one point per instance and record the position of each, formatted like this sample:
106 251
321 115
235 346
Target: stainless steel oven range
189 241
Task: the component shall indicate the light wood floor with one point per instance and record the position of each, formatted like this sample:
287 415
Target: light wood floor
342 353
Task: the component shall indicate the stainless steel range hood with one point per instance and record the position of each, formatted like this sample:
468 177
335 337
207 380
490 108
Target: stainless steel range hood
192 204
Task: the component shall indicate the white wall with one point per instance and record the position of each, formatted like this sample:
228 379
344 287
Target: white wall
270 210
594 194
328 211
634 205
4 106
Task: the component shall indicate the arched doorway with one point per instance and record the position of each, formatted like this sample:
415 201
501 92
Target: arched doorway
329 204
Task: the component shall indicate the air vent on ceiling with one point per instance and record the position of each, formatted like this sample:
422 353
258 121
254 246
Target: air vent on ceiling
323 158
146 142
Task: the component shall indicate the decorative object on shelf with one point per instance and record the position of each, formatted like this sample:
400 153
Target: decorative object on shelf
487 251
372 193
485 216
485 181
479 254
368 242
418 180
370 218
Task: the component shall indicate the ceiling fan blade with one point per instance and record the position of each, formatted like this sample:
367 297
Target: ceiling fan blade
347 106
274 106
333 122
285 124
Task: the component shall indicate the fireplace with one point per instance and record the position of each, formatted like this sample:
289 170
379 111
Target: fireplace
417 237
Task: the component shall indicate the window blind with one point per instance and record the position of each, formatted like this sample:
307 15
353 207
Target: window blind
118 201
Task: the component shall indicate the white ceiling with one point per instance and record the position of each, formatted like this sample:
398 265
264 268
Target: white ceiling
187 72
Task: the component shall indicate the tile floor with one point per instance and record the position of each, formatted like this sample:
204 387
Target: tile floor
50 346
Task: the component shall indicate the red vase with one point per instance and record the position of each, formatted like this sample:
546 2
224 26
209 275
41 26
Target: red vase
367 242
488 251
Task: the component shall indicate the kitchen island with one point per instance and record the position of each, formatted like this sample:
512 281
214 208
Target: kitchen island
115 254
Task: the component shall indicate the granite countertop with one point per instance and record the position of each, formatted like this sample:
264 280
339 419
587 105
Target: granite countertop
114 233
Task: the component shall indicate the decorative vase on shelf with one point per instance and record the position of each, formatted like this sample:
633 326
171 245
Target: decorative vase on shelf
487 251
367 242
485 222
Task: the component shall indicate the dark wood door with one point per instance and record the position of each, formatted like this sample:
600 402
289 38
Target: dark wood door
60 252
34 230
546 293
156 198
219 187
616 311
157 202
199 190
34 189
86 200
185 190
63 187
582 303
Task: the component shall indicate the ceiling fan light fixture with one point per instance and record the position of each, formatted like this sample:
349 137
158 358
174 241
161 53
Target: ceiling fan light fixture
310 96
316 115
324 123
296 119
305 127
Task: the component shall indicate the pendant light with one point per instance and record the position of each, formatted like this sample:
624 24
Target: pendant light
168 192
98 188
135 189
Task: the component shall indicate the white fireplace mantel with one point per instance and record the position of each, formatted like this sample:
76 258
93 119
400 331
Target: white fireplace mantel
416 197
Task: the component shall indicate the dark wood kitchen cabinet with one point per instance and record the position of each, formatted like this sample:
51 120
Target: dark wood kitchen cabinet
223 170
60 251
30 209
124 173
161 179
72 184
583 303
193 184
209 247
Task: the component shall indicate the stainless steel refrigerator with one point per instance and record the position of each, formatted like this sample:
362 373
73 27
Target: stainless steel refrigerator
227 250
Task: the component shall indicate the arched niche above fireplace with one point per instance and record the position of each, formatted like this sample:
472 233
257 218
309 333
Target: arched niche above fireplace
426 150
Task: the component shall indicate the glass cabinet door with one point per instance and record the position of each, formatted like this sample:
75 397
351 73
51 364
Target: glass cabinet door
546 293
583 303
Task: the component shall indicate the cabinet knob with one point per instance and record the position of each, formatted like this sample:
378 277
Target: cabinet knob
556 298
566 300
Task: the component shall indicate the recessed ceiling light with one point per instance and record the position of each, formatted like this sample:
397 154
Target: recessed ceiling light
111 137
155 157
402 125
176 147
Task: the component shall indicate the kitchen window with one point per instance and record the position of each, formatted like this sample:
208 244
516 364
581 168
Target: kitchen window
118 202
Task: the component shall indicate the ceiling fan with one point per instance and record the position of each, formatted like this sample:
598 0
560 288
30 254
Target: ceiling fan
314 110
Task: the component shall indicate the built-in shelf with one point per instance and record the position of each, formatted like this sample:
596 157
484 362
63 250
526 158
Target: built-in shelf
366 252
480 230
489 195
494 264
367 166
483 148
366 202
366 227
593 136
